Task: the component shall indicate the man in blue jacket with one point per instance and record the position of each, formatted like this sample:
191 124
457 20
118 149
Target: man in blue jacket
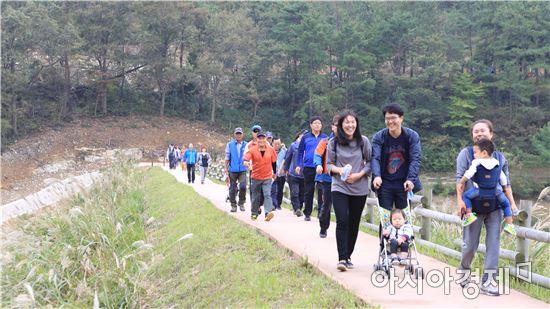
235 169
396 153
305 164
190 158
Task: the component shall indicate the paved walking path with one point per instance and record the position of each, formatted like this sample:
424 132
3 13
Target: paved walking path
303 239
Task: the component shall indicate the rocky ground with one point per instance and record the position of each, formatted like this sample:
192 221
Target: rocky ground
85 145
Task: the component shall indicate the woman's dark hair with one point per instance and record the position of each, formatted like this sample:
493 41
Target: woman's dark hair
341 135
488 123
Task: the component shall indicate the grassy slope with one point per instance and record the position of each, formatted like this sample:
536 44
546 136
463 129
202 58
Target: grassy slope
225 263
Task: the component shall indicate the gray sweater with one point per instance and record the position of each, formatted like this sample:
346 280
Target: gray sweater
350 154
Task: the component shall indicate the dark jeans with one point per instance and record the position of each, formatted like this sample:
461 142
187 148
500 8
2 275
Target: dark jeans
393 246
277 191
172 162
390 197
190 172
257 186
233 179
309 189
260 196
296 192
348 210
324 200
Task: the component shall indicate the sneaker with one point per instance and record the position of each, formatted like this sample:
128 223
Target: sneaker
259 210
307 218
202 182
227 199
489 290
269 216
341 266
323 234
509 228
279 208
469 219
254 217
298 213
349 264
241 207
233 208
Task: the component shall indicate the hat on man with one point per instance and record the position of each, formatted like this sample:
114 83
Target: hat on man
256 128
238 130
268 134
261 134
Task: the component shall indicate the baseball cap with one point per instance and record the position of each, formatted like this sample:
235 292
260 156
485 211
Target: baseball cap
256 127
260 134
268 134
238 130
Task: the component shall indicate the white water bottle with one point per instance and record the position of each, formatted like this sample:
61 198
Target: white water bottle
347 170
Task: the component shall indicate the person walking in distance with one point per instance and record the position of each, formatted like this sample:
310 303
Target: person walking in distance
190 158
324 180
295 180
264 160
235 169
279 183
204 160
306 152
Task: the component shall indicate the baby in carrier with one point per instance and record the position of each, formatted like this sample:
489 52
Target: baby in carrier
486 173
399 233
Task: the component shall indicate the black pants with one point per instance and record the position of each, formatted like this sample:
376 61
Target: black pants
296 192
324 200
309 189
390 197
348 210
190 173
235 178
393 246
172 162
277 191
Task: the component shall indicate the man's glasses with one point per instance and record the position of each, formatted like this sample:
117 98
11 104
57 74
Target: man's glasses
392 118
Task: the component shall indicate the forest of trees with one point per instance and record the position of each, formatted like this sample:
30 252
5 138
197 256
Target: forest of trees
276 63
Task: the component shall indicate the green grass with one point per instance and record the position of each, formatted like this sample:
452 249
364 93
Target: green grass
225 263
123 242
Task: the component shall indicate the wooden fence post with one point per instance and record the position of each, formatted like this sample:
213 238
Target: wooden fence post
426 231
524 219
370 209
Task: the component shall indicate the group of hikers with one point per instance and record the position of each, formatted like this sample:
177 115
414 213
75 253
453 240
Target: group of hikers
339 166
189 159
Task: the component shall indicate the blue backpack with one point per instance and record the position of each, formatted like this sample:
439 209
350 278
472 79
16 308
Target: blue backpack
487 180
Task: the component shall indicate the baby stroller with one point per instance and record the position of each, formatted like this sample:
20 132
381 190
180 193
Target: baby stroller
384 264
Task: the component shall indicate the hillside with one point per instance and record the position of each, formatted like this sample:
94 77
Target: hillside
31 162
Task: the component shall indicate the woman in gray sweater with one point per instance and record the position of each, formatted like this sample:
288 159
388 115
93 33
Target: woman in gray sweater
349 188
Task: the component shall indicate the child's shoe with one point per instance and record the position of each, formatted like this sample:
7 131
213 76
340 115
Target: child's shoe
509 228
469 219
